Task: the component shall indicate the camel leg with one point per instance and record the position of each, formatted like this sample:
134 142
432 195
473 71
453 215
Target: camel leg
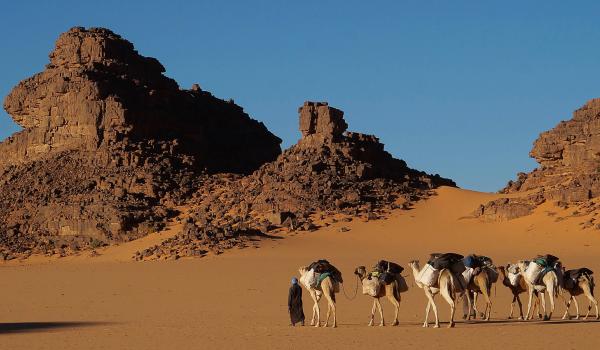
434 307
373 312
318 313
471 306
551 297
520 307
567 305
465 308
541 305
530 292
315 308
488 306
333 309
426 323
382 323
588 293
446 295
396 304
476 312
576 308
512 307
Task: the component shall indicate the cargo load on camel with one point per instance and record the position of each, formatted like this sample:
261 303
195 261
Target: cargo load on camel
428 276
320 270
475 264
539 267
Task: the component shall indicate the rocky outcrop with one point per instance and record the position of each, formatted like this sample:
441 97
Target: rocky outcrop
569 165
98 94
327 172
109 144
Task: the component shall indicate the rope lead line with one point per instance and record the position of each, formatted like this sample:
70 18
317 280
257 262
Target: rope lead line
355 290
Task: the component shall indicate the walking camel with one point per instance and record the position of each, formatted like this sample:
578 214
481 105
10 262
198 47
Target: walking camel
549 284
517 286
327 289
583 285
481 284
446 286
391 291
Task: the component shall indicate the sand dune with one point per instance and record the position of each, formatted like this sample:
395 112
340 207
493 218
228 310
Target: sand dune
237 299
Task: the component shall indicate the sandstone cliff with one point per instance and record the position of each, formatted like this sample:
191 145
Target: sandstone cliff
107 141
568 172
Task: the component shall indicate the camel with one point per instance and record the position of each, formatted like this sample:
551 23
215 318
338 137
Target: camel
327 289
391 291
446 286
519 288
481 284
549 284
585 285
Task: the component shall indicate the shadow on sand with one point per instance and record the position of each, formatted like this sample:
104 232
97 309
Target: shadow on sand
23 327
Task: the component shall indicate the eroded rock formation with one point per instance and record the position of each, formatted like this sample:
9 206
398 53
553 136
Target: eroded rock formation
569 170
109 143
327 172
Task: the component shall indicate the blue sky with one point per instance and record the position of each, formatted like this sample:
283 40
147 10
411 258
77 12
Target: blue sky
459 88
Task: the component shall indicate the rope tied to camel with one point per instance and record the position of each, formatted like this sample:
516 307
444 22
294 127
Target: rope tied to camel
355 290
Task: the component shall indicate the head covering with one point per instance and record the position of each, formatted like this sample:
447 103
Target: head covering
294 280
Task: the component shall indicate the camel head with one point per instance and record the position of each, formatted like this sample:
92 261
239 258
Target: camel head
303 270
361 272
414 265
522 265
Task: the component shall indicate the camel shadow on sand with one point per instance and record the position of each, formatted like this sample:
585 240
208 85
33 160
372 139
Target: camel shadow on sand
25 327
525 323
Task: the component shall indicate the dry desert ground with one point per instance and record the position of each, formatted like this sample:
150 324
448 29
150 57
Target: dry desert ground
237 300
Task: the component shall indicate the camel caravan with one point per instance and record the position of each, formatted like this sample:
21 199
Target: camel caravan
456 277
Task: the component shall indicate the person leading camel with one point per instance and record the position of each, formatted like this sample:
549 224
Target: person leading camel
327 288
295 308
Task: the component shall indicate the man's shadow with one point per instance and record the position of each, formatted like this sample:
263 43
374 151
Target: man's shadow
23 327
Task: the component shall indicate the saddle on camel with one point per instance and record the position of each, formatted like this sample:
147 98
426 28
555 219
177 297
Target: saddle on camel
540 266
453 262
383 273
320 270
475 264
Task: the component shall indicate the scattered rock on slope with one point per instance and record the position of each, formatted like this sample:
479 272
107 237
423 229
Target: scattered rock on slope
328 171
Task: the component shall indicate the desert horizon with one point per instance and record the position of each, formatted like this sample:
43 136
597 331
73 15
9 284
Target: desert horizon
143 210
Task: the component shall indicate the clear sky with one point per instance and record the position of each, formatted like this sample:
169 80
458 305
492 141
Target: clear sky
459 88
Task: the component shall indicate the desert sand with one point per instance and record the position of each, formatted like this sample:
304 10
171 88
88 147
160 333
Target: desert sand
238 299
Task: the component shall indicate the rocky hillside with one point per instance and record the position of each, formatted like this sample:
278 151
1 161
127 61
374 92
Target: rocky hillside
329 171
111 148
568 172
109 144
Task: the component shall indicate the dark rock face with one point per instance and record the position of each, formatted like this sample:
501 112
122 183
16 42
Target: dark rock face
109 143
569 158
98 94
327 171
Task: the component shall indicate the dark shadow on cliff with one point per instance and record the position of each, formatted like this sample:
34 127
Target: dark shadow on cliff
26 327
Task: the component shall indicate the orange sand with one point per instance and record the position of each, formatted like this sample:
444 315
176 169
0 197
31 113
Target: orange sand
238 299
